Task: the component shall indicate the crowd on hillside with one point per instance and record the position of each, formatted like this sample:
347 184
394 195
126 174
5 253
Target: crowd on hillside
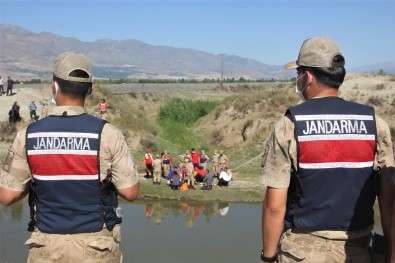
189 169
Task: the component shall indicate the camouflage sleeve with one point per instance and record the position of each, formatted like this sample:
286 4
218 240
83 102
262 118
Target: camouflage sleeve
279 155
116 159
15 173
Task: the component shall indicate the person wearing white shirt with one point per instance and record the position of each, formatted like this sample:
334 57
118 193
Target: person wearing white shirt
225 177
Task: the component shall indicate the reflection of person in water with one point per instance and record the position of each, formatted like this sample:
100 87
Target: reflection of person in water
208 211
175 209
190 217
160 210
148 210
157 216
223 210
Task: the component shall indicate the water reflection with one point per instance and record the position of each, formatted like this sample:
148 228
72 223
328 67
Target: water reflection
161 231
159 211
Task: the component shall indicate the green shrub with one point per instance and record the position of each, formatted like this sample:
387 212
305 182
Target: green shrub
185 111
180 134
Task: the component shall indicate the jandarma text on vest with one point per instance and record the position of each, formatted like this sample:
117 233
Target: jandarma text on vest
334 124
63 142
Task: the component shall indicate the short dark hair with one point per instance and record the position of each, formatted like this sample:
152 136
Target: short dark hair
332 77
74 89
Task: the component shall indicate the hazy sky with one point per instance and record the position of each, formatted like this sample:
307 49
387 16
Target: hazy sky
269 31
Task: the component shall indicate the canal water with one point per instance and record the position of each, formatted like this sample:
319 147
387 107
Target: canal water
161 231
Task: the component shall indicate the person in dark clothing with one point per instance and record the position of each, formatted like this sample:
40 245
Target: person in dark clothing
13 114
208 181
10 84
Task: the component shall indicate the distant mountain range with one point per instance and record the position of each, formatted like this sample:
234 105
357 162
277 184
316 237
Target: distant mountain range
27 55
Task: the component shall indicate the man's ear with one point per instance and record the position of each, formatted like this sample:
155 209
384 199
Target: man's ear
90 90
55 87
309 77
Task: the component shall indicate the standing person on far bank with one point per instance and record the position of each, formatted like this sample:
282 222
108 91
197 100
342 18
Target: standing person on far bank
321 167
167 162
10 85
33 108
44 110
215 163
103 105
148 159
1 86
75 166
195 157
157 165
203 159
223 160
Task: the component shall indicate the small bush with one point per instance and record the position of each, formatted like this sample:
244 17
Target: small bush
216 137
379 86
148 143
7 132
375 101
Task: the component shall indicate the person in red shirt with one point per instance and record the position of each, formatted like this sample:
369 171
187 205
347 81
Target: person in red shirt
148 164
103 105
195 158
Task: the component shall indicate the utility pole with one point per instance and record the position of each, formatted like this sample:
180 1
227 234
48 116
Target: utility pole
222 71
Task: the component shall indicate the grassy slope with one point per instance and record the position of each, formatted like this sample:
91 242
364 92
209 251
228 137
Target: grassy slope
260 105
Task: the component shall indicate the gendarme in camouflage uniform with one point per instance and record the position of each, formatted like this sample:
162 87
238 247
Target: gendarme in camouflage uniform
318 169
64 164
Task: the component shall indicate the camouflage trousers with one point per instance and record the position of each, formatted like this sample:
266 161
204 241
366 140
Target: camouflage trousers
307 248
215 167
157 176
166 169
100 246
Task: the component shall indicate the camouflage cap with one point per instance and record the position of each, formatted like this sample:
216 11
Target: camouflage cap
67 62
318 52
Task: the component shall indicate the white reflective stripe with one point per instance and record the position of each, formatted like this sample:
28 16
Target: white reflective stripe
333 117
63 134
65 177
61 151
334 137
336 165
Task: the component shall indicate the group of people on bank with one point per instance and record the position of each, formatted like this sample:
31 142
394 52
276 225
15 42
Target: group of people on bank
14 115
10 85
191 168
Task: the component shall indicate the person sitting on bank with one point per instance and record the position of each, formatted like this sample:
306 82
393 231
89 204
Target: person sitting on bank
225 177
200 173
174 177
208 181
